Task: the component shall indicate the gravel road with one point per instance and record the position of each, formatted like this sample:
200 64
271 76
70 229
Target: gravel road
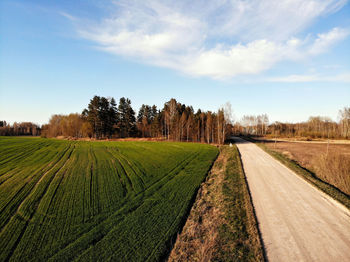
297 222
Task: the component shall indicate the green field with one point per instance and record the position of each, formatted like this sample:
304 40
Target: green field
95 201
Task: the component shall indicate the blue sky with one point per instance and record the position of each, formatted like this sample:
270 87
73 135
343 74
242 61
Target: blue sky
289 59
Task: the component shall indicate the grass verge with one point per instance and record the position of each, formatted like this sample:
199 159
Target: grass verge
222 225
309 176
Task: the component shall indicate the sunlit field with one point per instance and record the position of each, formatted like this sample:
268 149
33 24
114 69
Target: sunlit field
74 200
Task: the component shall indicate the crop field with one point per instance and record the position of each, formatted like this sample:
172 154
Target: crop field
95 201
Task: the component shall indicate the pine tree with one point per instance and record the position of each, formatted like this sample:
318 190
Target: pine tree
93 115
130 119
102 116
126 118
112 117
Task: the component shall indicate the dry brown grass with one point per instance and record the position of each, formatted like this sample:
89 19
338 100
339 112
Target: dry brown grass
303 140
221 225
198 238
333 168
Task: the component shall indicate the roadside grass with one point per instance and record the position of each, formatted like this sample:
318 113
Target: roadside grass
222 225
305 173
95 201
334 168
239 238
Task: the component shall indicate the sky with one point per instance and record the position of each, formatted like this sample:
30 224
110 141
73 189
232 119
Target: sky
288 59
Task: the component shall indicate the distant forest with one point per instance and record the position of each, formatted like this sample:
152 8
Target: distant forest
19 129
105 119
315 127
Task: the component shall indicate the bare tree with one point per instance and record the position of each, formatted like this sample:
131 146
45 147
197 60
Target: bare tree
344 116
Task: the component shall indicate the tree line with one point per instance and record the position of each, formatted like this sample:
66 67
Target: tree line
315 127
19 129
104 118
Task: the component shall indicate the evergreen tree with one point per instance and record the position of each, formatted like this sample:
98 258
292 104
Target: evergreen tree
141 113
126 118
92 113
153 113
112 117
102 116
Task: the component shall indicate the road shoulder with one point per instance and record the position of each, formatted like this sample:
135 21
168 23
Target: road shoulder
222 224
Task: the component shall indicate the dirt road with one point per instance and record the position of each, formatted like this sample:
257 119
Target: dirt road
297 221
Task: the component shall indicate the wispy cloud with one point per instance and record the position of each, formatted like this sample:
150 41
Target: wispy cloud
219 39
326 40
341 78
68 16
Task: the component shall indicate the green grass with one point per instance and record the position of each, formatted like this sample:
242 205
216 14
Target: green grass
239 238
95 201
309 176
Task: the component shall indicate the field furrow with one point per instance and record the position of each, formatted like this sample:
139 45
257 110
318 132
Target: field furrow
100 230
28 186
27 208
75 200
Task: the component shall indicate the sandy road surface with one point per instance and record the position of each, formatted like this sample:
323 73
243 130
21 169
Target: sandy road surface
297 222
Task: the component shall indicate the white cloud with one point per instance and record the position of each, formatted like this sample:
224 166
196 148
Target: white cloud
269 19
326 40
222 61
219 39
342 78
